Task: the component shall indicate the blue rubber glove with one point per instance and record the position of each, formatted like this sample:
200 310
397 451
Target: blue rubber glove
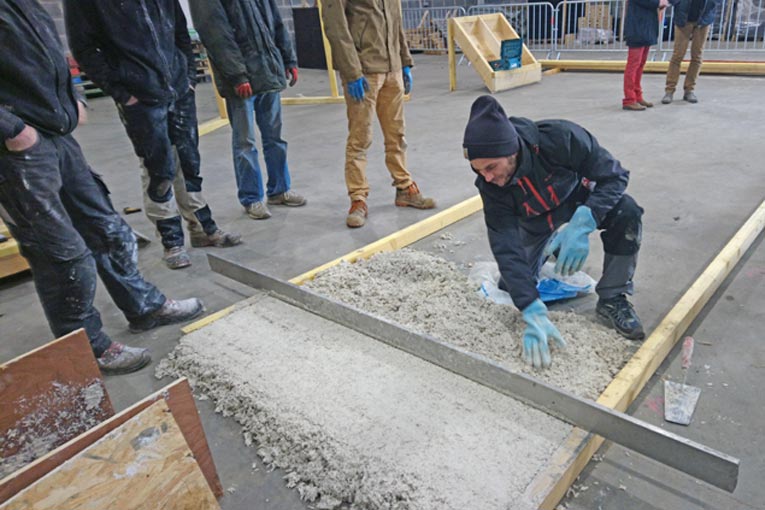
573 242
539 329
408 80
357 88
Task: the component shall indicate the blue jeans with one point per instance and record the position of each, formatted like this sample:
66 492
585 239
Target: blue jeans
60 213
267 112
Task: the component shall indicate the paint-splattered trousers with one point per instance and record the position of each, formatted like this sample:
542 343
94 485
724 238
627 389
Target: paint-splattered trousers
621 233
60 213
165 137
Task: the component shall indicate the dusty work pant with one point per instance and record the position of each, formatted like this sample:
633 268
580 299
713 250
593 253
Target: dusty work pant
60 213
159 134
386 98
633 74
265 110
697 37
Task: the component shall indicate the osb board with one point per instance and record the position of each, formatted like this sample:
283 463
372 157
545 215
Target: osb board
145 463
178 397
49 396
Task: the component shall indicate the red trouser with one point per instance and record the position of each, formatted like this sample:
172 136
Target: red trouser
636 58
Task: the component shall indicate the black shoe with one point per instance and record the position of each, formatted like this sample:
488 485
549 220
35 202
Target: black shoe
619 314
171 312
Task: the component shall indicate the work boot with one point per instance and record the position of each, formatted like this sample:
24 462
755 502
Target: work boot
357 215
667 99
176 257
411 197
635 107
122 359
619 314
690 97
171 312
288 198
219 239
258 211
645 103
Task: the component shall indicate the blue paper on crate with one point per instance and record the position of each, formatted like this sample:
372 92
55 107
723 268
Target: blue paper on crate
510 55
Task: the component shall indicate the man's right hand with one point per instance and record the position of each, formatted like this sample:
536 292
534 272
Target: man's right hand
357 88
23 141
244 90
663 4
539 330
131 101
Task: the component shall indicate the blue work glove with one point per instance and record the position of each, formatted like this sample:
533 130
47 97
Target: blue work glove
572 242
407 73
539 329
357 88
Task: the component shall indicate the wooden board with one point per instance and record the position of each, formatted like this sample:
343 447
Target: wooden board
11 261
180 401
49 396
708 67
145 463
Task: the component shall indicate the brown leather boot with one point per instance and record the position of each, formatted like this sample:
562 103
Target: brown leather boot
411 197
645 103
357 215
635 107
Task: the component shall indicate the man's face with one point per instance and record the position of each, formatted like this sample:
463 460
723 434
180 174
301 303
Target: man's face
497 171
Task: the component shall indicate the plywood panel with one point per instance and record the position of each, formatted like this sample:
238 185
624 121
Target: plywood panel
145 463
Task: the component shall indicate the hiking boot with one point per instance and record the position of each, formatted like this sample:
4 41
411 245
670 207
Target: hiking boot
219 239
619 314
690 97
635 107
171 312
258 211
411 197
176 257
667 99
357 215
288 198
122 359
645 103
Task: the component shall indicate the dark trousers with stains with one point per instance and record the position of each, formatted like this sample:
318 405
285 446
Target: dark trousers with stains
621 232
60 213
159 133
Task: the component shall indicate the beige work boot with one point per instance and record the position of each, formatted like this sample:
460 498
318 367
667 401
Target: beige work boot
219 239
411 197
357 215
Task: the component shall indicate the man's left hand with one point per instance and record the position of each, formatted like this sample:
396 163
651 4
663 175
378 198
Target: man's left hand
292 75
572 242
82 114
408 80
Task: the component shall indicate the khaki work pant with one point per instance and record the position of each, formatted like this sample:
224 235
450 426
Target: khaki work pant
697 36
386 98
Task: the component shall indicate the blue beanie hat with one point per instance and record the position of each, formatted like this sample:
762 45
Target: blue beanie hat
489 133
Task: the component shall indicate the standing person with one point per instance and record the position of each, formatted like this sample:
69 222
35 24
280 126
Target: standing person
641 31
56 207
369 49
535 177
252 58
140 53
692 19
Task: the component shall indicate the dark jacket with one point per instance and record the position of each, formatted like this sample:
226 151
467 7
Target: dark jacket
560 165
35 86
135 48
246 40
706 16
641 26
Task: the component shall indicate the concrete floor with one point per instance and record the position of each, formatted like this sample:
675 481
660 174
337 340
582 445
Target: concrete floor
696 169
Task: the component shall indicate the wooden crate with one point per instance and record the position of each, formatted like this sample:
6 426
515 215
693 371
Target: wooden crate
480 38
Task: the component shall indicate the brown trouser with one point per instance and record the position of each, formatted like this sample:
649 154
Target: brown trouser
386 97
697 37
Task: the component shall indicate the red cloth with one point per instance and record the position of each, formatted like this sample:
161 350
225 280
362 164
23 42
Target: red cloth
633 73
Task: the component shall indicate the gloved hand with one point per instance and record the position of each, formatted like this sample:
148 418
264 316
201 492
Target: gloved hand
292 75
244 90
539 329
573 242
408 80
357 88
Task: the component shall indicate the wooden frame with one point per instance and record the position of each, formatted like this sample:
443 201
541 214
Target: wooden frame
480 38
708 67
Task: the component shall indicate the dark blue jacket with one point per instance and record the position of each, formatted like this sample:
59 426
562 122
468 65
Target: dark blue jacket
135 48
560 165
35 86
641 26
246 40
706 16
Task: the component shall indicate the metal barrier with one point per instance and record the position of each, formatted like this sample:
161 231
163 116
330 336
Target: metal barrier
425 28
535 22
